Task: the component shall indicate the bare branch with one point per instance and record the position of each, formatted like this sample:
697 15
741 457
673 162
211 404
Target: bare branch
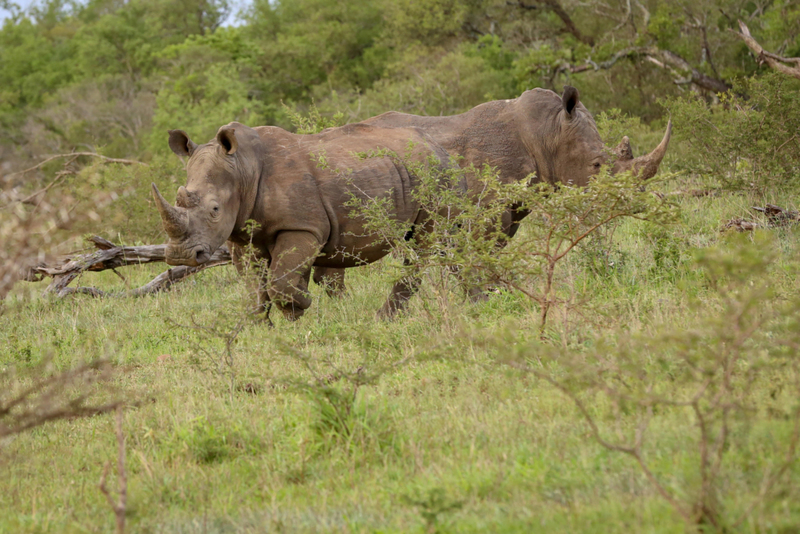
555 7
75 155
762 56
665 59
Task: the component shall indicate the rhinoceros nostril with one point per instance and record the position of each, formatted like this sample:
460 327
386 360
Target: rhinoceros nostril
201 256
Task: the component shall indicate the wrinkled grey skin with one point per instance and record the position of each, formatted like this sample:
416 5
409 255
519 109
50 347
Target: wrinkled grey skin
268 175
538 135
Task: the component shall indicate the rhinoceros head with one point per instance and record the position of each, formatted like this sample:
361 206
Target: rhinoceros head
207 208
568 148
574 144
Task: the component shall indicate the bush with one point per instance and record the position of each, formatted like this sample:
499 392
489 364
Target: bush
747 141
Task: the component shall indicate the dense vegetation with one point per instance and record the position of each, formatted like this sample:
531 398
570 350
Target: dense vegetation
114 75
645 380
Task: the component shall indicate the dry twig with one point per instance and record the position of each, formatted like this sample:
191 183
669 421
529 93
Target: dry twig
65 395
119 507
74 155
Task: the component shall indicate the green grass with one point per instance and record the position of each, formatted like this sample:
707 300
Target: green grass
445 442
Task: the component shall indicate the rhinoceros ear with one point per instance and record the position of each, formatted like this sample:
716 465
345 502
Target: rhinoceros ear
570 100
227 140
180 143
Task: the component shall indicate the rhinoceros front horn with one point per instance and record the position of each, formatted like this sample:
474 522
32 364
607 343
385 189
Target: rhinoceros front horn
645 167
174 218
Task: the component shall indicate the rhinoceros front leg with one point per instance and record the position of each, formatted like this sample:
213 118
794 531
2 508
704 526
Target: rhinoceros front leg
401 292
245 262
290 270
331 279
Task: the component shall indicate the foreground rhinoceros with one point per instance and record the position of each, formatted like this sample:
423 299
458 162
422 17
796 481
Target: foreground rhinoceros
538 135
278 180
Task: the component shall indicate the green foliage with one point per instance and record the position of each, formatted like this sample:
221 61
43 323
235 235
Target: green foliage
207 442
536 66
313 122
436 82
426 21
35 64
203 100
613 124
314 42
744 142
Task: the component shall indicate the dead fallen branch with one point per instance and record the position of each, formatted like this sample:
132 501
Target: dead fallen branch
111 256
778 216
774 61
740 225
162 282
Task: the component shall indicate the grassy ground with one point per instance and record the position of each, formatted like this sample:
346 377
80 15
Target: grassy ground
444 440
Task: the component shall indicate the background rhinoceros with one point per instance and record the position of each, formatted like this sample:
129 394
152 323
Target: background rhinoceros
538 136
276 179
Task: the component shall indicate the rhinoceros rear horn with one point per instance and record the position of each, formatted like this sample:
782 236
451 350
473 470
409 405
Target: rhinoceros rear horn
180 143
226 137
645 167
623 151
570 100
174 219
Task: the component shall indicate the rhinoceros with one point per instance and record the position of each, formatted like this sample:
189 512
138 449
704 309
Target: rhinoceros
295 188
539 135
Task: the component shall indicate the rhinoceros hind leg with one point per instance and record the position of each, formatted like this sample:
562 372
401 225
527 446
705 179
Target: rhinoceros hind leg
401 292
331 279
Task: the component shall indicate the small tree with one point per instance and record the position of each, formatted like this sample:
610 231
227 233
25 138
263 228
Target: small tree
712 371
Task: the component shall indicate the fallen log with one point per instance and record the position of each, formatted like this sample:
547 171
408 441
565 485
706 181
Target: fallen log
111 256
778 216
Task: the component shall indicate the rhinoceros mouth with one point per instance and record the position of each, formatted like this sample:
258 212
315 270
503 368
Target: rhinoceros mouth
192 256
